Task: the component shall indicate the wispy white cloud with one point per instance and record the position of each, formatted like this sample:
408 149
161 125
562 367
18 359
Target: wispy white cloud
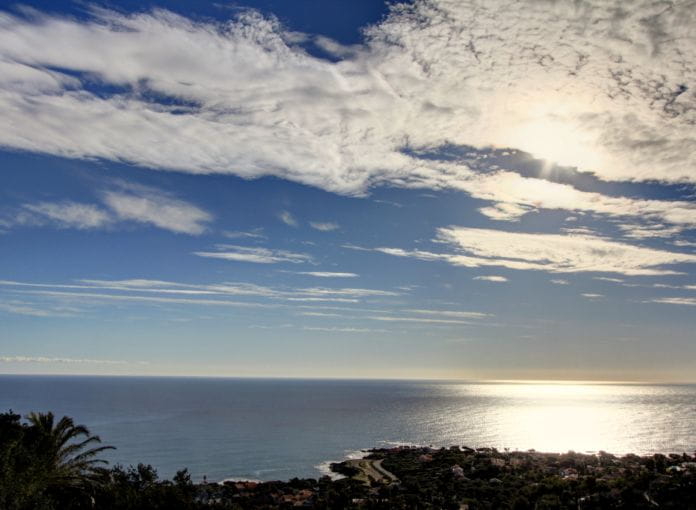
505 211
591 295
686 301
45 359
546 252
320 314
334 329
324 298
323 291
65 214
649 231
255 254
560 281
323 226
128 202
24 308
403 315
608 279
425 320
236 234
159 291
327 274
515 196
92 296
450 313
583 231
497 279
287 218
137 285
88 293
683 243
154 207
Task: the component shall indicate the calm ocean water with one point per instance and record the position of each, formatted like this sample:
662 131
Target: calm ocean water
276 429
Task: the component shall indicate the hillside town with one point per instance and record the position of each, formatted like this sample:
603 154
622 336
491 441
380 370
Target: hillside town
462 478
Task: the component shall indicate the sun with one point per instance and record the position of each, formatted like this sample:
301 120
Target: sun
560 128
559 142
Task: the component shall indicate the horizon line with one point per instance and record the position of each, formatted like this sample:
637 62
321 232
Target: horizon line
358 378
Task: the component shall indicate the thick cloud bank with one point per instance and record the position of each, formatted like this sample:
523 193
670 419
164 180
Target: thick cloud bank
600 85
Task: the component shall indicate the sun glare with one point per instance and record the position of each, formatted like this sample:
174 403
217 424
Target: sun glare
557 141
550 126
554 416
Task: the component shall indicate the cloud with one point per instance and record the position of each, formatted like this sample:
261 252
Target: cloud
404 315
44 359
139 292
674 301
345 330
24 308
425 320
505 211
154 207
323 298
516 196
323 226
546 252
91 296
237 289
193 293
642 231
288 219
256 255
235 234
327 274
590 85
579 84
128 202
498 279
590 295
607 279
322 291
65 214
450 313
560 281
580 231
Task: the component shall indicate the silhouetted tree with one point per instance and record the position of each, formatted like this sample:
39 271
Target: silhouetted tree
63 448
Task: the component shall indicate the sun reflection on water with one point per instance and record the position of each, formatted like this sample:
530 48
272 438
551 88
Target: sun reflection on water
553 417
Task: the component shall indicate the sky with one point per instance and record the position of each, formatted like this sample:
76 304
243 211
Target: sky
327 188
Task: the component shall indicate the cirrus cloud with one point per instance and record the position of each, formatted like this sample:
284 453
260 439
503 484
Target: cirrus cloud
256 255
546 252
46 359
493 278
323 226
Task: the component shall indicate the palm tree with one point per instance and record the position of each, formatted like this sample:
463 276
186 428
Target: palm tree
62 448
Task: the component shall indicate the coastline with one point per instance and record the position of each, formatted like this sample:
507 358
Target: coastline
477 478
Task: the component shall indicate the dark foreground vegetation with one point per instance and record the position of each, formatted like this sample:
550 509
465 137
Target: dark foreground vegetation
53 465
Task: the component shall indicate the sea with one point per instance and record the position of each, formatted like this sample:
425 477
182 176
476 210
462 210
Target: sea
277 429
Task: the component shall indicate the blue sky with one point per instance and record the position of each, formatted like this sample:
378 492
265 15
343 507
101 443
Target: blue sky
341 189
